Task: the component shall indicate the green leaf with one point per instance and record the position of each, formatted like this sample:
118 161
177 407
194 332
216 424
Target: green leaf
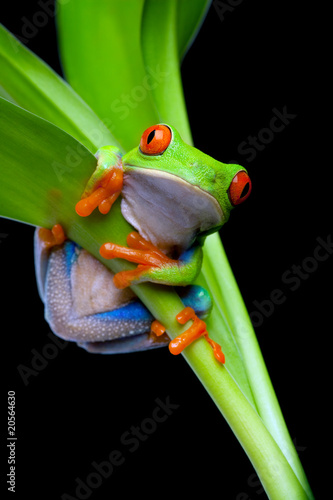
168 29
190 16
160 46
43 171
101 55
27 81
104 63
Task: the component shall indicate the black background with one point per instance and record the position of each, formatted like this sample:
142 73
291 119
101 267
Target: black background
261 56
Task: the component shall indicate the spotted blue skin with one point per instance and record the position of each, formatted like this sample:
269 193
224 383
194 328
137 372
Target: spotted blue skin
125 328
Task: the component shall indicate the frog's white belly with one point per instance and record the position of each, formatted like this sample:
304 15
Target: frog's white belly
166 210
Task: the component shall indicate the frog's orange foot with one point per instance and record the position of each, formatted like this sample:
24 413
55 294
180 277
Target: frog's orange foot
52 237
196 330
103 196
139 251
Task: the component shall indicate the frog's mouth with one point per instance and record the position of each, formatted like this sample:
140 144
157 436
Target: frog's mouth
167 210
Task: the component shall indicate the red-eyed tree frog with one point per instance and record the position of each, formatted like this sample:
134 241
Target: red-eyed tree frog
174 196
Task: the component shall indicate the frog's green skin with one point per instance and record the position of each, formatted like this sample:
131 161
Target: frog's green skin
173 200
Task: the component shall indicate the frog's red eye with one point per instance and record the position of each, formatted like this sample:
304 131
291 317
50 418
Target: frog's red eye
155 140
240 188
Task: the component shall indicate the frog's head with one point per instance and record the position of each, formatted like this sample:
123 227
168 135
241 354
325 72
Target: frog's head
210 186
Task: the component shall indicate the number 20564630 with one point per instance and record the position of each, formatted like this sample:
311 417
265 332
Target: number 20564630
11 413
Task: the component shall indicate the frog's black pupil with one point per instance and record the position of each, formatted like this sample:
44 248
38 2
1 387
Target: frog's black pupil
245 190
151 136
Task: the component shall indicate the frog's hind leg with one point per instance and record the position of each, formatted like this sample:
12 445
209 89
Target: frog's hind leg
133 343
83 305
195 331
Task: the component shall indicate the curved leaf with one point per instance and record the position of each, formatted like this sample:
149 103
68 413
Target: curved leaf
27 81
101 54
190 16
43 170
159 39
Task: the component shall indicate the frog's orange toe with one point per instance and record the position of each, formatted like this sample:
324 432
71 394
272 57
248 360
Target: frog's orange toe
157 328
52 237
88 204
105 206
219 355
124 279
83 208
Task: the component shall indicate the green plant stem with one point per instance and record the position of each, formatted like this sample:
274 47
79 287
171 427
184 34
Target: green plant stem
274 471
228 297
220 331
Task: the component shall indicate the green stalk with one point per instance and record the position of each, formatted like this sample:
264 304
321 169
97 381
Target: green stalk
274 471
220 331
228 297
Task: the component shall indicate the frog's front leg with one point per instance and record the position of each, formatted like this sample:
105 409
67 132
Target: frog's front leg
154 265
105 184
